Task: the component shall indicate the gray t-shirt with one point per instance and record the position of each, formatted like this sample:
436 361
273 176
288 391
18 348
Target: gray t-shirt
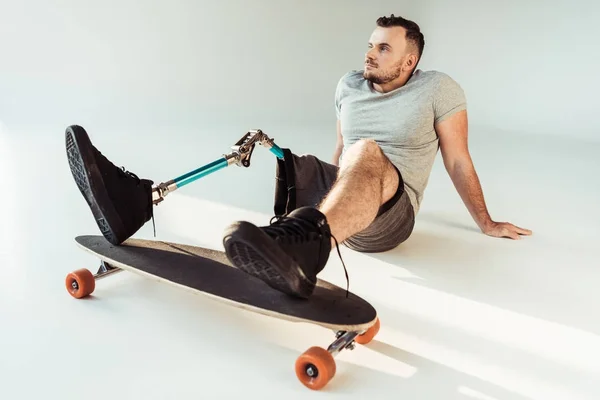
401 121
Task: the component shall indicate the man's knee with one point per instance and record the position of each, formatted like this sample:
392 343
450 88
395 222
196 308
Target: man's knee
365 148
365 154
366 158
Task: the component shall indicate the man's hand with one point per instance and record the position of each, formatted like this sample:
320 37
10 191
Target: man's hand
505 230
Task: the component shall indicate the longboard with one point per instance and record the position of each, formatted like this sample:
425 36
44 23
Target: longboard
210 273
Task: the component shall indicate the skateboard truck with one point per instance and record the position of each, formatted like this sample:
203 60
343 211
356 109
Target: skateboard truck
316 366
105 270
240 156
345 340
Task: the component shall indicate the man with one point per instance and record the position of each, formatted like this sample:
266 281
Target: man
391 120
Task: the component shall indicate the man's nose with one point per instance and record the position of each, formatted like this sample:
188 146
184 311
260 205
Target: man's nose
369 55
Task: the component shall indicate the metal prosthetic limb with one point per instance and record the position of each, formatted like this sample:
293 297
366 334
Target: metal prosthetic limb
240 156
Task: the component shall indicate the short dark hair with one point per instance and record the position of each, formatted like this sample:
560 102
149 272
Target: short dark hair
413 32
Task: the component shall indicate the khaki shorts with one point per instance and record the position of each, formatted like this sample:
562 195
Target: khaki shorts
305 181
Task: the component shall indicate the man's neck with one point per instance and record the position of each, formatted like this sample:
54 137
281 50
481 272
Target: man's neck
393 85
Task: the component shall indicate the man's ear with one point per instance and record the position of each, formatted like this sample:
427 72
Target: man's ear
411 61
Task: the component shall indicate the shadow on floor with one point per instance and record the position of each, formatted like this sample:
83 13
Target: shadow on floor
531 276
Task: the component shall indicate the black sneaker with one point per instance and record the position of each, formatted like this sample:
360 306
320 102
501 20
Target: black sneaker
120 202
287 255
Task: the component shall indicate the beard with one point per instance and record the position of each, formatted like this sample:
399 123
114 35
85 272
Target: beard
379 76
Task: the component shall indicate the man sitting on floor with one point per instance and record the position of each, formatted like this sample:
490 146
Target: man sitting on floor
391 120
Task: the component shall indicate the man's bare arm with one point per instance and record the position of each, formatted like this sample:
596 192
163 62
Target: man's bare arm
453 134
339 146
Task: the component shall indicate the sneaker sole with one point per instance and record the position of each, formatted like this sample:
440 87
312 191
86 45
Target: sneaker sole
80 155
264 260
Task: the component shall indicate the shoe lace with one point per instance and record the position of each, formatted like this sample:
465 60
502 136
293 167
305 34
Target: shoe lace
123 173
300 230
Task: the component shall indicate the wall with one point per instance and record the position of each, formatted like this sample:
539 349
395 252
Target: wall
528 67
179 63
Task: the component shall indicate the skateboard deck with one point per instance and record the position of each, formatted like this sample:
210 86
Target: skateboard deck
209 272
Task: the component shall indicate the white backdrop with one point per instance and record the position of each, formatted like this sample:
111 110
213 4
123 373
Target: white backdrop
178 63
527 67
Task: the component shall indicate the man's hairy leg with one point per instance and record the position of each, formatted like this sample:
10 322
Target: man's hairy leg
366 180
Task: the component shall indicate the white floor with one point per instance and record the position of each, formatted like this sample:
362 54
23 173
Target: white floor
464 316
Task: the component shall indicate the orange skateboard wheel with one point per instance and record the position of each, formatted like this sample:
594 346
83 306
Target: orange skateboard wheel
315 368
80 283
369 334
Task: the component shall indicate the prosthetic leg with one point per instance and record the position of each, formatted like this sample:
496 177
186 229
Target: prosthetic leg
240 156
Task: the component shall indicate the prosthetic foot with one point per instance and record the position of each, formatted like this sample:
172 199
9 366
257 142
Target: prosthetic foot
120 201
